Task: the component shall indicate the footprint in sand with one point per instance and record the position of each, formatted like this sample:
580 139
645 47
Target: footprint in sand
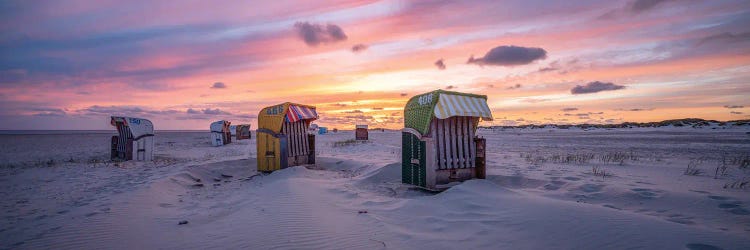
718 198
731 206
611 206
681 219
554 185
646 193
572 178
739 211
591 188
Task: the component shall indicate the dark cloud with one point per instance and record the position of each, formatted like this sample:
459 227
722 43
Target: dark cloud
219 85
593 87
377 108
510 56
359 48
726 37
449 87
734 106
569 109
192 111
403 94
83 93
356 111
440 64
638 6
518 85
735 113
316 34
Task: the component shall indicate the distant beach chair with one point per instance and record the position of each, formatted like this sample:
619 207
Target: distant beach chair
360 132
220 133
135 139
282 136
233 130
322 130
439 142
243 132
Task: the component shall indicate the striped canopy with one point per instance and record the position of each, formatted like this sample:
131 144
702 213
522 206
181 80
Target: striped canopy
421 109
460 105
296 113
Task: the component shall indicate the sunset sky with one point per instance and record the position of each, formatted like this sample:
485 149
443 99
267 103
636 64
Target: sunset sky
183 64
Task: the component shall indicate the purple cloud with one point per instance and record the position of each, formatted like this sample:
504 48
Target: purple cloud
440 64
734 106
510 56
219 85
594 87
359 48
316 34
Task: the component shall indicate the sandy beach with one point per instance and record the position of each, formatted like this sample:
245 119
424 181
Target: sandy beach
61 191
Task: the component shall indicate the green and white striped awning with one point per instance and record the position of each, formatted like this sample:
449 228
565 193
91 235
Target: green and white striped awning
458 105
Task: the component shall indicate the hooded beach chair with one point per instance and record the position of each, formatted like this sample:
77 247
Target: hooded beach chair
282 136
439 143
243 132
220 133
135 139
360 132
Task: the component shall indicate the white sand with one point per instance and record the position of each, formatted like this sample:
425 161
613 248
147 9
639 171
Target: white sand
59 191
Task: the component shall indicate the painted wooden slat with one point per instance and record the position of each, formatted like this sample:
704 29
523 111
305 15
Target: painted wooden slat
285 130
303 136
434 135
459 157
439 143
453 150
461 141
305 140
293 140
298 138
472 145
467 141
447 143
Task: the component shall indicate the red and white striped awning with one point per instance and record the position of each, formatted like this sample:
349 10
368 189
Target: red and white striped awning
296 113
